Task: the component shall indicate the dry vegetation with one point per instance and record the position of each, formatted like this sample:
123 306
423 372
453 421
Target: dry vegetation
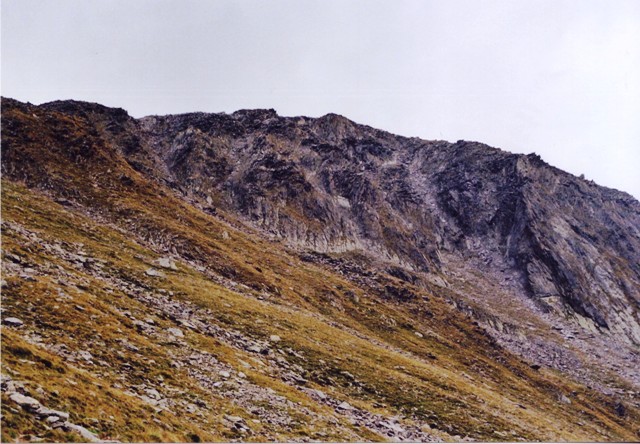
355 342
452 381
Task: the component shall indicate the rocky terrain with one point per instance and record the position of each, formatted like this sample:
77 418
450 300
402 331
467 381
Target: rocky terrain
249 276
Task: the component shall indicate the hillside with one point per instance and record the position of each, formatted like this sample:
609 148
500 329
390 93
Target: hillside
254 277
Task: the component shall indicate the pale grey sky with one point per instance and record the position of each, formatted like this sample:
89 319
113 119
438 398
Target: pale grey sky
561 78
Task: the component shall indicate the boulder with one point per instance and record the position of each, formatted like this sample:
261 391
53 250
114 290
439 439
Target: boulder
83 432
166 262
26 402
154 273
175 332
44 412
12 322
345 406
153 393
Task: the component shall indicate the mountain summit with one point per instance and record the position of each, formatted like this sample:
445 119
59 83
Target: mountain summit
251 276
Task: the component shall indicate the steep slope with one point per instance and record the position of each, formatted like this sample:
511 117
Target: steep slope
334 186
134 281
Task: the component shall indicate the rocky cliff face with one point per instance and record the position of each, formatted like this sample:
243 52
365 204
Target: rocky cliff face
549 263
331 185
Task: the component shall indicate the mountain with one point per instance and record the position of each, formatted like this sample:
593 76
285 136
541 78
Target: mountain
249 276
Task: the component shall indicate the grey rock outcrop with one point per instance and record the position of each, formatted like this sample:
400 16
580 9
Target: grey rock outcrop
430 207
331 185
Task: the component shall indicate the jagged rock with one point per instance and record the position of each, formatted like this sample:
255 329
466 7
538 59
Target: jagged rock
238 423
12 322
166 262
463 198
153 272
394 427
8 385
26 402
153 393
344 406
295 378
563 399
140 326
234 419
348 375
318 394
175 332
45 412
83 432
620 409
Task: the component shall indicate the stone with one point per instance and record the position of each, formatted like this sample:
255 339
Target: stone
154 273
26 402
418 334
234 419
318 394
153 393
563 399
139 325
12 322
298 379
345 406
44 412
166 262
175 332
348 375
225 374
275 338
392 426
83 432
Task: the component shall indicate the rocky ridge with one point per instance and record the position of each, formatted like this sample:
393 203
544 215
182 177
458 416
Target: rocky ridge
542 262
332 185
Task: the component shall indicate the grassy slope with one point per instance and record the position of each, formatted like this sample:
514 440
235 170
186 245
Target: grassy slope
471 388
453 381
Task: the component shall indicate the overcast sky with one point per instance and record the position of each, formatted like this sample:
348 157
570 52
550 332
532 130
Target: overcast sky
561 78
